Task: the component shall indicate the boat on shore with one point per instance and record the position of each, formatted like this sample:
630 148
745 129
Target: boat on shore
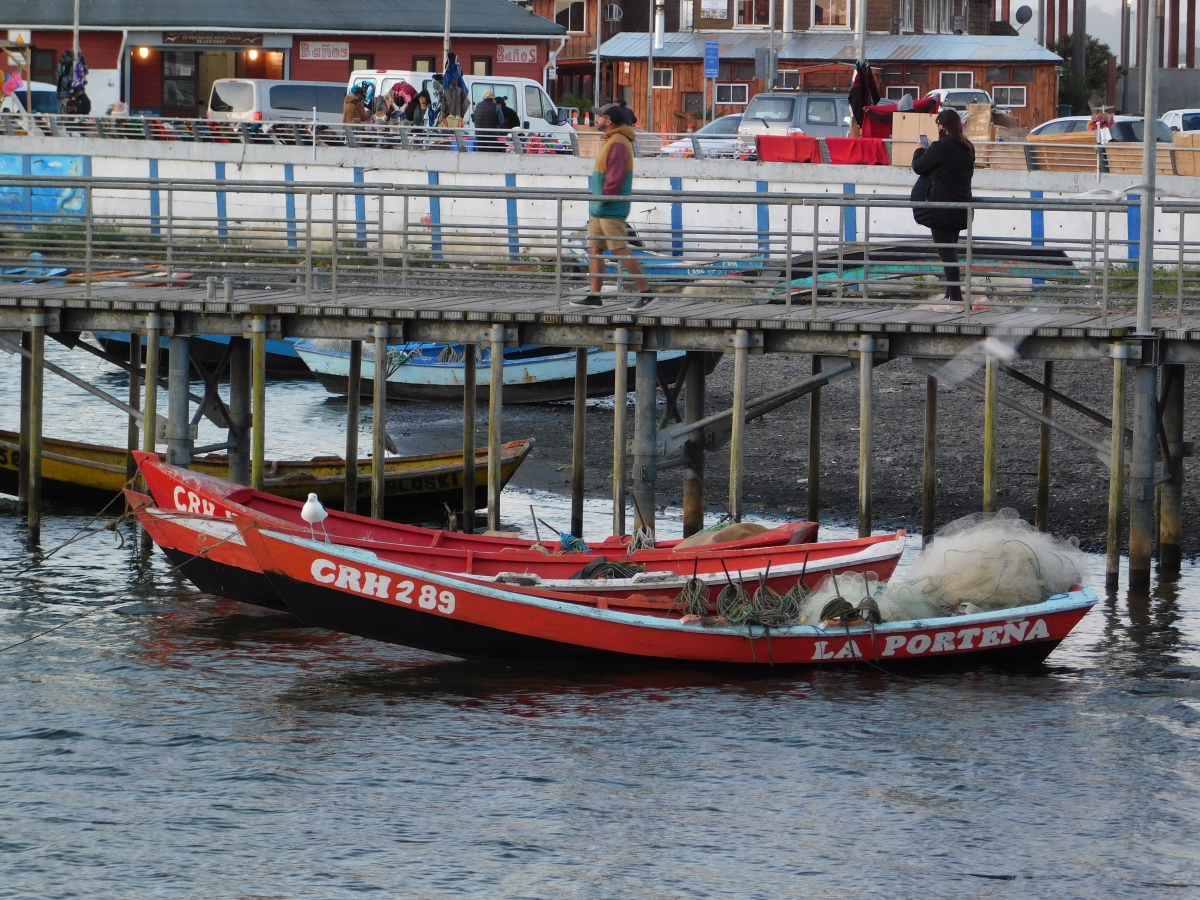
356 592
91 474
433 372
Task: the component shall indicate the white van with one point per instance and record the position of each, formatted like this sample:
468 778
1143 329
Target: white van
536 109
263 100
45 100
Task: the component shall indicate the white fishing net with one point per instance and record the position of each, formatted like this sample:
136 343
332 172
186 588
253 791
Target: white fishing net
979 562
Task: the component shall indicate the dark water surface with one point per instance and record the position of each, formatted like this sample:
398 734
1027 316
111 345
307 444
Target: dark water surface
174 745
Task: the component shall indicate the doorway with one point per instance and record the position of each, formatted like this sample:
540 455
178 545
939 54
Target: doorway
213 64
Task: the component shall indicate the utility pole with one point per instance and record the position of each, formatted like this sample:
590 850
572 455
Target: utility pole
445 38
1145 379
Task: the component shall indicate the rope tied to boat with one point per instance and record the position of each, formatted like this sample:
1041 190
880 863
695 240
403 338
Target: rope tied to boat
643 539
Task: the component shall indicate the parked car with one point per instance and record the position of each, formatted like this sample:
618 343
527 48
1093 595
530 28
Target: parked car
1125 129
717 138
960 98
45 100
264 100
1181 119
524 95
817 115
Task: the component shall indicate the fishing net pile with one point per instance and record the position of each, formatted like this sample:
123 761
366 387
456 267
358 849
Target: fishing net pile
978 563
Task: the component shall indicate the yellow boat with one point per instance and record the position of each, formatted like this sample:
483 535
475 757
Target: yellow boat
90 474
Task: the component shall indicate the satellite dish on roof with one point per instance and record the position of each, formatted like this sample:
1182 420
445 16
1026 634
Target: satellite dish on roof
1024 14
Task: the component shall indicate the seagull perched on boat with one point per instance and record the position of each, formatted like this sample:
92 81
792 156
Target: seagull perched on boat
312 513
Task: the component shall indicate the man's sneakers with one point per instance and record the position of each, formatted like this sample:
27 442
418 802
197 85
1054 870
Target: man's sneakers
644 299
591 301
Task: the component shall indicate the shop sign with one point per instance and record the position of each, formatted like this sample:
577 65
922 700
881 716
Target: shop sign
325 50
516 53
714 9
212 38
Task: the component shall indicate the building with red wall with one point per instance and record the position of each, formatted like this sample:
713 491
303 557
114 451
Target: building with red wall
168 53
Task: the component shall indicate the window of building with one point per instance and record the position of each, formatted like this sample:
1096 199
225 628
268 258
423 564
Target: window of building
45 66
733 94
693 102
736 71
788 79
1009 95
997 74
918 74
481 65
953 80
362 61
423 63
753 12
895 92
908 16
892 74
831 13
571 15
664 78
944 16
1022 74
179 79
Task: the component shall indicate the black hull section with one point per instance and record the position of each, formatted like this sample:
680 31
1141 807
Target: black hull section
599 385
225 581
337 611
208 354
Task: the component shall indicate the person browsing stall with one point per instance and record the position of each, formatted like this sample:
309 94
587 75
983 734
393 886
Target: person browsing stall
612 185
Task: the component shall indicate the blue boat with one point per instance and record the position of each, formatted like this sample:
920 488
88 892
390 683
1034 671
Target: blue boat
532 374
207 350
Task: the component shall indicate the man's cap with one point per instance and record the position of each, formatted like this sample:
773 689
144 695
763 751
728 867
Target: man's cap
489 95
359 91
612 111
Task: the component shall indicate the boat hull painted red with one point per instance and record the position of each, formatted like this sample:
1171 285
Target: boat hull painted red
220 553
354 592
184 491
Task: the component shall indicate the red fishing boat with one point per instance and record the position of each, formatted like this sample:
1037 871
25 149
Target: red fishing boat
186 491
354 591
212 553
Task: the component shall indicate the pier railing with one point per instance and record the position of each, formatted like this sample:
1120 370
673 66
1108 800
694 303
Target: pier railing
1034 156
796 249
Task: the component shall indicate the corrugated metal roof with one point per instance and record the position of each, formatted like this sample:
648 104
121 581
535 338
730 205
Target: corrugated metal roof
960 48
333 17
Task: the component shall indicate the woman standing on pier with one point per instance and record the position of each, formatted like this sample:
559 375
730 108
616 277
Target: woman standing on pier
946 167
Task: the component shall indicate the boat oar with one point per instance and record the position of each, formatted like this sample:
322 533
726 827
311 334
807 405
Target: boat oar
536 532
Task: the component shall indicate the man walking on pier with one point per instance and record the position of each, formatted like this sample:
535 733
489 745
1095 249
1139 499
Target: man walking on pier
612 178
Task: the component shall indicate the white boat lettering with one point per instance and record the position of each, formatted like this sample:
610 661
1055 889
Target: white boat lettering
373 584
323 571
991 636
428 596
819 652
849 651
376 584
191 502
1039 630
347 578
944 641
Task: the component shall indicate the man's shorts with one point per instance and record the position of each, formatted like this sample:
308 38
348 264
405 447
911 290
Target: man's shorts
608 234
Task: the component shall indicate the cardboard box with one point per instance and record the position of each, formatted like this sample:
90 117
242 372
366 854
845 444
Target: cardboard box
1187 148
907 128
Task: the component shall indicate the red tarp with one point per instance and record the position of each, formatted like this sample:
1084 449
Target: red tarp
857 151
788 148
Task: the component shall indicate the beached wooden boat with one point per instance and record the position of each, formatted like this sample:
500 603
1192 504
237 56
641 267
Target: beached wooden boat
208 350
435 371
86 474
210 550
354 591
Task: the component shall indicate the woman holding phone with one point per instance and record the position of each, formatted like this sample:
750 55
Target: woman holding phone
948 164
